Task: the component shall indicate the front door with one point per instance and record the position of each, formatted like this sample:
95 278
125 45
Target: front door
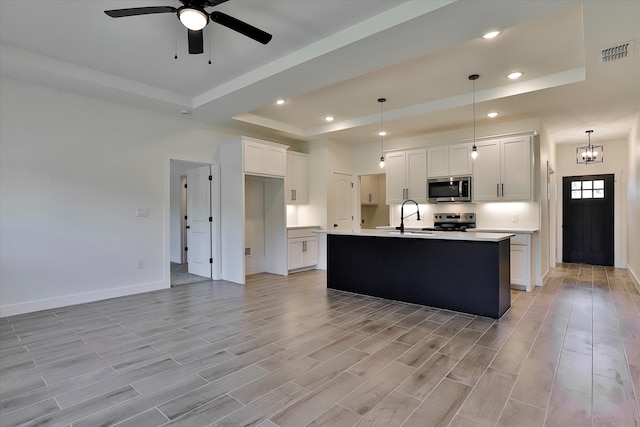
587 219
199 221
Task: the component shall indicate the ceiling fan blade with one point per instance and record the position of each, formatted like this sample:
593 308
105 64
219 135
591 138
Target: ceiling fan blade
119 13
196 43
241 27
212 3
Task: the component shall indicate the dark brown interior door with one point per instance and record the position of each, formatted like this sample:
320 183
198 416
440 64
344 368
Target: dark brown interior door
587 219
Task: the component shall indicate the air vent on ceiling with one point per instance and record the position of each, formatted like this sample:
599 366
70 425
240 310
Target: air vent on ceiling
616 53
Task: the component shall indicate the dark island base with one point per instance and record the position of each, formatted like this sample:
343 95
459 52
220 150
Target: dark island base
467 276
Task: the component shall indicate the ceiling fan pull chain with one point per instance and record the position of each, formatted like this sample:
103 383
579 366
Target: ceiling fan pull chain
175 44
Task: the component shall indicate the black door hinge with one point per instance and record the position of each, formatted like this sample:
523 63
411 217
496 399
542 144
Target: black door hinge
210 178
186 248
210 219
210 260
185 186
185 217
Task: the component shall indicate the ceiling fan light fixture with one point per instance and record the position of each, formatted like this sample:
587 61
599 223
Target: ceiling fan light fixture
193 18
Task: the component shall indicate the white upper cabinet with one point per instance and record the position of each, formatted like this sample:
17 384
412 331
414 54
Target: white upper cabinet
438 162
460 163
406 176
369 190
449 161
264 158
516 168
502 171
297 179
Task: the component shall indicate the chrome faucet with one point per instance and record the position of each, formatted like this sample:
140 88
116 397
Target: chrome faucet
402 217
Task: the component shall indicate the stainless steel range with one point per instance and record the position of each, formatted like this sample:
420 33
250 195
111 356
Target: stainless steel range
452 222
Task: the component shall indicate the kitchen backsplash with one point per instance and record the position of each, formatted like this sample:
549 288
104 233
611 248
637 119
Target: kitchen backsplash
500 215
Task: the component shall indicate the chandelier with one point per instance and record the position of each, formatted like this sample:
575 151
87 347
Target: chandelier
589 153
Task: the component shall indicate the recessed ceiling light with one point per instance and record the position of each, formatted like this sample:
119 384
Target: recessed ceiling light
492 114
329 118
280 101
491 34
382 133
515 75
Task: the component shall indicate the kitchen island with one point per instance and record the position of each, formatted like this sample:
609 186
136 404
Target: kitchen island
461 271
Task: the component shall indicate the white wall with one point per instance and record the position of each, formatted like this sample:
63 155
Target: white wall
73 171
615 162
633 191
545 195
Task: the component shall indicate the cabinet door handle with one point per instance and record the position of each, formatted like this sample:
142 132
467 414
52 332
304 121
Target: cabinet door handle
497 190
502 190
304 246
370 197
293 194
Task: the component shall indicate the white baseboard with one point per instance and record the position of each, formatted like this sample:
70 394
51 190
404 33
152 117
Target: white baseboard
634 277
66 300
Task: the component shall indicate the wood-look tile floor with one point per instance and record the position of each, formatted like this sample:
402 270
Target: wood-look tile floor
285 351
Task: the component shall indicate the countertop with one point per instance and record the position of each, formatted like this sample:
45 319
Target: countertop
476 230
297 227
471 236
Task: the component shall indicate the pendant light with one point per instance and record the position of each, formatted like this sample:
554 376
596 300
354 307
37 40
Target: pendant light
474 149
382 133
589 153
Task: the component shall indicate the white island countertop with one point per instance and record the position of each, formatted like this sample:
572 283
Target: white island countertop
470 236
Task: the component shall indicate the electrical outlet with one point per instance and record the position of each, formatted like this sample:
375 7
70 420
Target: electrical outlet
514 218
247 251
140 263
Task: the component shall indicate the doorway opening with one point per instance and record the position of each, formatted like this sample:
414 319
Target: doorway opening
193 222
587 219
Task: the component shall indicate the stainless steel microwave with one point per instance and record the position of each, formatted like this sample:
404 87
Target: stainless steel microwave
455 189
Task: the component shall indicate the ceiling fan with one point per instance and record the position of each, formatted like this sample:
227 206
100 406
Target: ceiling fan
193 16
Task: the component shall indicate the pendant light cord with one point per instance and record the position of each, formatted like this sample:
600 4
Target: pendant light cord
381 133
474 149
474 111
381 101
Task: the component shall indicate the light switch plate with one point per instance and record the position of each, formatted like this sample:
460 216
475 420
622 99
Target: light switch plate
142 212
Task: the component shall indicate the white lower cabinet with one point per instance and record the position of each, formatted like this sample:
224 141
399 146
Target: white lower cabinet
521 262
302 246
